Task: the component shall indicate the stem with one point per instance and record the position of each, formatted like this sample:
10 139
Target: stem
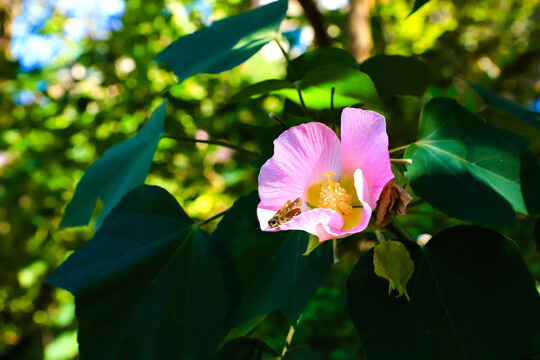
379 235
285 54
302 101
402 161
481 109
287 58
332 109
334 248
399 227
431 213
399 148
288 340
274 117
214 142
201 223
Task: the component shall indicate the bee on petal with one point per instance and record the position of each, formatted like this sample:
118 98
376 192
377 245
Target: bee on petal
286 213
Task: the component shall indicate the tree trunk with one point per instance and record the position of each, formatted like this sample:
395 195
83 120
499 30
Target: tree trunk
360 41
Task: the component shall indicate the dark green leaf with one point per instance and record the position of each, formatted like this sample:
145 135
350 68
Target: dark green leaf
472 297
466 168
501 103
225 44
265 271
266 135
144 286
302 353
121 169
397 75
300 66
246 349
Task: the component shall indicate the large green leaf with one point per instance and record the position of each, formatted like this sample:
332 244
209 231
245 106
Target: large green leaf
144 285
302 353
472 297
246 349
351 87
397 75
303 64
225 44
466 168
501 103
121 169
265 271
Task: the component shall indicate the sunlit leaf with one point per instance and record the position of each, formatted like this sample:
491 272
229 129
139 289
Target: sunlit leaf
226 43
351 87
508 106
472 297
266 271
397 75
393 262
121 169
467 168
144 285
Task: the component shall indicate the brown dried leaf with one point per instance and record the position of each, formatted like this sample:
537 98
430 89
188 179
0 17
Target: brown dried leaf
393 198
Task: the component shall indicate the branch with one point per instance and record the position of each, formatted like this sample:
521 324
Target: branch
214 142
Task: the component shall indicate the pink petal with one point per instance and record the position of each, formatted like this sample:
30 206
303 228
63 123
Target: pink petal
336 232
313 221
302 155
364 145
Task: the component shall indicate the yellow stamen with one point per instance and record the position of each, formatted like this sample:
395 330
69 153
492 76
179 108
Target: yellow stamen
334 197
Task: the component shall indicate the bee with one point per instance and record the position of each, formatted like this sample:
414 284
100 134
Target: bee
286 213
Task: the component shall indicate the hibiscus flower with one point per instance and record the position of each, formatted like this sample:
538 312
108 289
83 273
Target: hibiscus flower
338 183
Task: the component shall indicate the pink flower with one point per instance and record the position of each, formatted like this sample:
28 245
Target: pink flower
339 183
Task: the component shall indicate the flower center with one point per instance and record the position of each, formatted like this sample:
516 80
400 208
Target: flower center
334 197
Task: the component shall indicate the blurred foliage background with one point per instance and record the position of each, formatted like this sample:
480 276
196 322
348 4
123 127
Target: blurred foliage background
77 77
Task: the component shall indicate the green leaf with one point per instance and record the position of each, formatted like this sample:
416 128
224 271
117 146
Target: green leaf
300 66
397 75
351 87
261 88
466 168
302 353
495 101
246 349
144 285
265 136
265 271
472 297
121 169
225 44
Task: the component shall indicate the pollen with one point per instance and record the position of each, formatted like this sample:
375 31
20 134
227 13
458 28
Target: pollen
334 197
